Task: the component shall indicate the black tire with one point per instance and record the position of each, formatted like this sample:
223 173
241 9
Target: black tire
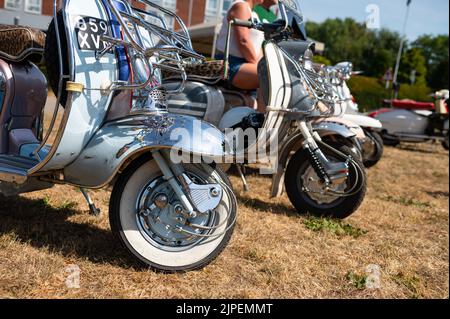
389 141
342 207
379 149
117 228
445 144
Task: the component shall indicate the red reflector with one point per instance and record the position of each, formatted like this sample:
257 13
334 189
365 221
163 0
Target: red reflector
378 112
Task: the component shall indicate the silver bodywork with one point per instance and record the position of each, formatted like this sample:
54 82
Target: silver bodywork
88 150
118 141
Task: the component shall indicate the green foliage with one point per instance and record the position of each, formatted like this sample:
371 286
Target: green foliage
436 53
368 92
371 92
413 60
321 60
358 281
407 202
336 227
374 52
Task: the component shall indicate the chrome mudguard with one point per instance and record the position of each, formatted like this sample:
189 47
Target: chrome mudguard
326 128
116 142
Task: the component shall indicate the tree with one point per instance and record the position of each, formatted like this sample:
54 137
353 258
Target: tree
413 60
436 53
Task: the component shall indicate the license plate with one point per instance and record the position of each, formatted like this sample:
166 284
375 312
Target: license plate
89 31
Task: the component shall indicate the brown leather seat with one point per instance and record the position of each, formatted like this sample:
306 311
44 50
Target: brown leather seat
19 43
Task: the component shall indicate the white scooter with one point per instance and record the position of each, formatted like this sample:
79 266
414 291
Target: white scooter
415 122
366 128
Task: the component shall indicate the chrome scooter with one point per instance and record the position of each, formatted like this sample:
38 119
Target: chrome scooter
368 140
170 213
320 179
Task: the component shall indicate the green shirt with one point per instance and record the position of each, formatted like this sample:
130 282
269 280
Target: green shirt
265 15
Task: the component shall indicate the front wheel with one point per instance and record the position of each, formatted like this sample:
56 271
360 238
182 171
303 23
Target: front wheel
376 153
148 219
308 195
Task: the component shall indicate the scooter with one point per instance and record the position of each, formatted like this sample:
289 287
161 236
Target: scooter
414 122
366 128
170 215
320 179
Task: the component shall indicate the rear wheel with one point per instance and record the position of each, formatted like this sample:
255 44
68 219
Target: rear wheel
308 195
152 233
445 143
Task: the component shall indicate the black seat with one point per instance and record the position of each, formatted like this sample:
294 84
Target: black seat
19 43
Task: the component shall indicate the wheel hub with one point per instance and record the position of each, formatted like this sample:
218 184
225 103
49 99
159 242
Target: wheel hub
318 191
162 217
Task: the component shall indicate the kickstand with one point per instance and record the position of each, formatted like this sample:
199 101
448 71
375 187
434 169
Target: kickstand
93 210
244 180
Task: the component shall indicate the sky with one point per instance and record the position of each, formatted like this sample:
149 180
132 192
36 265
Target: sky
426 16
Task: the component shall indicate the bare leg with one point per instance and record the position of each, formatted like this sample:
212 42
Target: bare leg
247 77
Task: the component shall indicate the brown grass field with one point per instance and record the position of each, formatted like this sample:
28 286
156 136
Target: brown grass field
402 229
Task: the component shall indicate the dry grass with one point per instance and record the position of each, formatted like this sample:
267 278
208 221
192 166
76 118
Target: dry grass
403 228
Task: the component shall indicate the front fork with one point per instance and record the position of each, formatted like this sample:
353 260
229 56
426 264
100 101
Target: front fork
327 171
173 175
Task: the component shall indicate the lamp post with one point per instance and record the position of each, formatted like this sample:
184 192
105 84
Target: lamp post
400 51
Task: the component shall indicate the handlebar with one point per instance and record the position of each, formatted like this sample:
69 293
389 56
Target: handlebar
243 23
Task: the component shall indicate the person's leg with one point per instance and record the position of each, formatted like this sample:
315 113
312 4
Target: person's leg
247 77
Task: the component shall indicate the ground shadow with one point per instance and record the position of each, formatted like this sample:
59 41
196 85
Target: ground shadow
414 148
36 223
267 207
438 194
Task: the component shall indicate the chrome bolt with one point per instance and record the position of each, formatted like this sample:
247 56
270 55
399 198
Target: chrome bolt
215 192
178 209
161 201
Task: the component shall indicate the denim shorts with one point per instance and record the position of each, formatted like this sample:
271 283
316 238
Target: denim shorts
235 64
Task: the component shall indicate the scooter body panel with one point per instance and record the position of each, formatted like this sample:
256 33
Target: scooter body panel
197 99
119 141
400 121
85 112
235 116
364 121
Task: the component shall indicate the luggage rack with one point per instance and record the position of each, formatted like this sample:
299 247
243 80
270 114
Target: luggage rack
169 54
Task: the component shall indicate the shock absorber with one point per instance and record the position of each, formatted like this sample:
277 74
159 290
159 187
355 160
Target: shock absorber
317 164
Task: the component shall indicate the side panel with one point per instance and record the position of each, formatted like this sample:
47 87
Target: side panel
364 121
88 109
326 128
403 121
197 99
117 141
6 93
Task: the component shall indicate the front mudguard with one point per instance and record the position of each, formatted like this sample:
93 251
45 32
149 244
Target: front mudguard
116 143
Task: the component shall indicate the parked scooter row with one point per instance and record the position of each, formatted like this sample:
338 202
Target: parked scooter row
321 174
367 129
172 206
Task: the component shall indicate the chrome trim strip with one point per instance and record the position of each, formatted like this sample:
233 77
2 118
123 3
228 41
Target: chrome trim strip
68 106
